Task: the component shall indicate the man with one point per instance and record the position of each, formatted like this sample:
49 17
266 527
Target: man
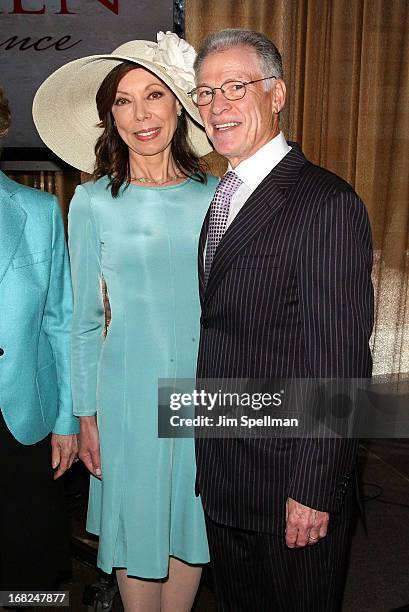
35 395
284 261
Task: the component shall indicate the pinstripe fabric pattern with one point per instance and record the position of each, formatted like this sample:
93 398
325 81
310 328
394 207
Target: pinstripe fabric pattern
289 295
256 571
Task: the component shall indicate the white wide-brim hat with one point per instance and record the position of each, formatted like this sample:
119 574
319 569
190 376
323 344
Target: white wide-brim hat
64 108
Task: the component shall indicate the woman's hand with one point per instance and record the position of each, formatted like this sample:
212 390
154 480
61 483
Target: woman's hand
64 450
89 445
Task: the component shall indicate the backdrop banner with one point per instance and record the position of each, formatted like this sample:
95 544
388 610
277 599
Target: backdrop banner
39 36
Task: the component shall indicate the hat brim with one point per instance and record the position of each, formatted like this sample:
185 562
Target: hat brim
65 112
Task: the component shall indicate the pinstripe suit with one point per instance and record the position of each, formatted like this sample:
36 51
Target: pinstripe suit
289 295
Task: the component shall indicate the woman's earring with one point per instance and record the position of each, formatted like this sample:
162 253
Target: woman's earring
179 112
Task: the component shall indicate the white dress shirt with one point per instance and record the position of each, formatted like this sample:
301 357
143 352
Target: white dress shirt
254 169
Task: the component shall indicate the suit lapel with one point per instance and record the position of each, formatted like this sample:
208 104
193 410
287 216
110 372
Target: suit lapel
262 205
12 222
202 244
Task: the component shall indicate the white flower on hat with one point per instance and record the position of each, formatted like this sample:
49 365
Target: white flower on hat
176 56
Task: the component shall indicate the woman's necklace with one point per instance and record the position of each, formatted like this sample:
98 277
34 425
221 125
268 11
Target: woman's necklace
144 179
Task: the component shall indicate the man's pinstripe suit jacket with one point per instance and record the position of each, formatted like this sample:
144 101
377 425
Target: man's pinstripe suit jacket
289 295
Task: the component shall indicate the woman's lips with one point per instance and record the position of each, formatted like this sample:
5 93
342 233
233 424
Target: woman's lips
149 134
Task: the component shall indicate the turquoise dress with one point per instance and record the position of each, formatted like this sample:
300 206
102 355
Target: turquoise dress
144 245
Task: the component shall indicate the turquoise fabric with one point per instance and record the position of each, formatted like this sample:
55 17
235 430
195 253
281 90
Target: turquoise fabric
35 320
144 244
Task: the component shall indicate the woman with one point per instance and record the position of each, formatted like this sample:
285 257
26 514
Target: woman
136 228
35 397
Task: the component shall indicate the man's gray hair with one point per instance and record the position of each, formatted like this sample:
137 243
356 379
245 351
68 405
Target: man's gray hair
268 55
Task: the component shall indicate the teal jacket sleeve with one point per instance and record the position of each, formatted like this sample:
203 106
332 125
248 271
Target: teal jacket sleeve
88 319
57 323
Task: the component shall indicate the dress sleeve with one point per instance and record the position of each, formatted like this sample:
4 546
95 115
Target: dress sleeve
57 322
88 317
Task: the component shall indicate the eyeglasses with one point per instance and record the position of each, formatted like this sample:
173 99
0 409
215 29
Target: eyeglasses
232 90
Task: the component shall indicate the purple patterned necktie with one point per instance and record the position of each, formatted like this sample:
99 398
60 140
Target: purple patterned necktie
219 212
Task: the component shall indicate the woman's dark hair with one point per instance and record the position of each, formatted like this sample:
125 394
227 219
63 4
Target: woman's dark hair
111 153
5 115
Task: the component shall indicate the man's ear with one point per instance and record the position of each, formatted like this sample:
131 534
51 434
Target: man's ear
279 92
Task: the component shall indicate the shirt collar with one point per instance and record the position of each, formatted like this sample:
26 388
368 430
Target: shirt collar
254 169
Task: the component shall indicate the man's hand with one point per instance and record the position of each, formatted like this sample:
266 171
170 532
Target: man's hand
305 526
89 445
64 451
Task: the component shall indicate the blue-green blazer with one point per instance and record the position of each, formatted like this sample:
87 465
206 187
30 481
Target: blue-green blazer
35 315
